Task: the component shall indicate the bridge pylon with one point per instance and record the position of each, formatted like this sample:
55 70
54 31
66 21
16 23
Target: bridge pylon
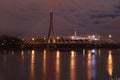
51 34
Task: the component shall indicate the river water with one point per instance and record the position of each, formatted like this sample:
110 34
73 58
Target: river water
81 64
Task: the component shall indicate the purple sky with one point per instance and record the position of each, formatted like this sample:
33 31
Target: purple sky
30 18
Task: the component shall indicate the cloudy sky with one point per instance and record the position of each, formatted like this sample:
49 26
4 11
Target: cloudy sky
30 18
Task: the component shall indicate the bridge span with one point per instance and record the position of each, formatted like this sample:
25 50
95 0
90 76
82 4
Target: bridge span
69 43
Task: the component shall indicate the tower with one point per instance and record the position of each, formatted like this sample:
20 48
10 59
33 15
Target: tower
51 34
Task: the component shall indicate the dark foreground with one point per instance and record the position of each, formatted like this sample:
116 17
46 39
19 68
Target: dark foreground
81 64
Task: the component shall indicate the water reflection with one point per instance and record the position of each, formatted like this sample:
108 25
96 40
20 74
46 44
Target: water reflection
91 66
83 52
22 55
57 65
44 64
5 57
72 66
32 64
110 63
12 52
99 52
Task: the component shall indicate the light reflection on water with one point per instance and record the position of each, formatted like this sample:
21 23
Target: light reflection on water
110 63
57 64
32 64
72 65
91 66
12 52
44 64
99 52
83 52
22 55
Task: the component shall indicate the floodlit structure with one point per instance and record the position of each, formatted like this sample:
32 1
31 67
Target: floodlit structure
94 37
51 34
90 37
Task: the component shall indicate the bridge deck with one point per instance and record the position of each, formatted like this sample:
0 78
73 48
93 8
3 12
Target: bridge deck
68 43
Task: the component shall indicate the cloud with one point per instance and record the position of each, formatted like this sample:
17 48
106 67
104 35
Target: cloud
104 15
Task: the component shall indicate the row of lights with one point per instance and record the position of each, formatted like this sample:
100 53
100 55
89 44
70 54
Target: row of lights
43 38
110 36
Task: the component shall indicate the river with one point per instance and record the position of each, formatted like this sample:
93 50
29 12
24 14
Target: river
67 64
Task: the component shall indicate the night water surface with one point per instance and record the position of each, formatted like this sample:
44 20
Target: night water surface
82 64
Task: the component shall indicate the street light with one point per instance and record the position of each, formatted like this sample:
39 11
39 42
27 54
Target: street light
110 36
44 38
58 38
33 39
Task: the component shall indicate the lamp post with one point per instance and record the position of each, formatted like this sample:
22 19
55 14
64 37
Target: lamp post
109 36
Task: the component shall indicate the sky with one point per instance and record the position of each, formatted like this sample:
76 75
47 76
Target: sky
30 18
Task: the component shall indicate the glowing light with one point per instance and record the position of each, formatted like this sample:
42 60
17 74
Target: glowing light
93 51
110 63
89 57
58 37
44 63
72 37
58 65
93 36
33 52
89 37
44 38
44 51
2 43
89 66
33 39
32 64
72 66
72 53
110 36
54 41
93 66
58 54
22 54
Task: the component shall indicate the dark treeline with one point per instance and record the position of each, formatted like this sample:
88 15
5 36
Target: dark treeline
9 42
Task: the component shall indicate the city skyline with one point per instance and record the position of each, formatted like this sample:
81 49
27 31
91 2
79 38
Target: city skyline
31 18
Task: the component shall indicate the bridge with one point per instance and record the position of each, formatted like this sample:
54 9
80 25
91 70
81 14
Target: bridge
53 41
68 43
61 42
